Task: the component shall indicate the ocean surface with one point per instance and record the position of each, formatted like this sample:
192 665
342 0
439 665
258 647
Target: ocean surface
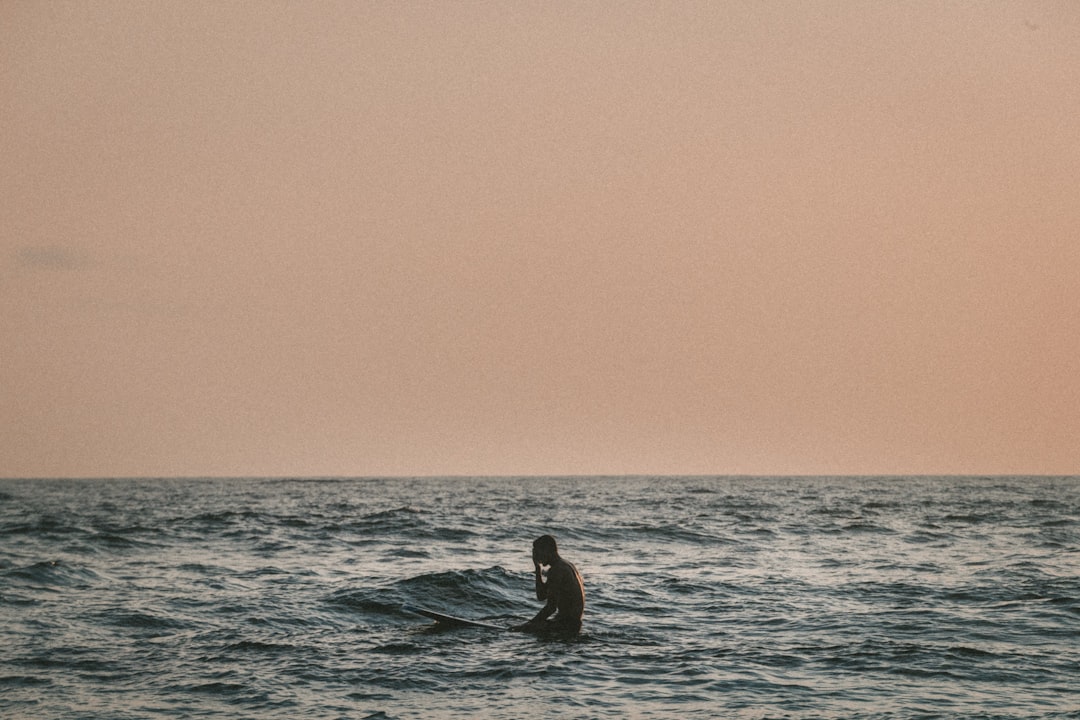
706 597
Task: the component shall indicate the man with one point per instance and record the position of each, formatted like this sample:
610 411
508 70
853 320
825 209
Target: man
562 588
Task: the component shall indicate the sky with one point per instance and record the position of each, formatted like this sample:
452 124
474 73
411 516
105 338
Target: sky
457 238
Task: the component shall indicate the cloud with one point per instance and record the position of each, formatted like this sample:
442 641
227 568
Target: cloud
48 257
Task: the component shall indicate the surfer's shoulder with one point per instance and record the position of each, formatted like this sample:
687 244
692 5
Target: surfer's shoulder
563 568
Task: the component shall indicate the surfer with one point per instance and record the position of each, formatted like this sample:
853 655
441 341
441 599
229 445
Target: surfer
561 586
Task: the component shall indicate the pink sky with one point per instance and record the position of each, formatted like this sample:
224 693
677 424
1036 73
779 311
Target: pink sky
357 238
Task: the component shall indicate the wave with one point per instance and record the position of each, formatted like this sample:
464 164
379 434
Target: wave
91 537
224 520
409 522
141 620
934 536
45 526
53 575
24 681
973 518
468 593
675 533
281 531
859 526
255 646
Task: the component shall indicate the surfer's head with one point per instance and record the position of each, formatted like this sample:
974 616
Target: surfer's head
544 550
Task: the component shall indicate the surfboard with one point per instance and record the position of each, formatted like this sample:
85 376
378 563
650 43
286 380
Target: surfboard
450 620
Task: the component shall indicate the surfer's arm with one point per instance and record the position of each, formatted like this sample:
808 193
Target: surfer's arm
541 586
546 611
542 592
541 616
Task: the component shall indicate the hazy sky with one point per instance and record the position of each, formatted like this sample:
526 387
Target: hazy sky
355 238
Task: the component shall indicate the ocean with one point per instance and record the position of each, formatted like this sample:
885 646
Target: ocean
706 597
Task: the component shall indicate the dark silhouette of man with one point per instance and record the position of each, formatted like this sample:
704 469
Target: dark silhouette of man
561 587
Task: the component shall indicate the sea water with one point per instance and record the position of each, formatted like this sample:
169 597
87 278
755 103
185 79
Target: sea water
706 597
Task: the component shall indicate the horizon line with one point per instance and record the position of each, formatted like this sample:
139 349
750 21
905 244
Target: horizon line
559 476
